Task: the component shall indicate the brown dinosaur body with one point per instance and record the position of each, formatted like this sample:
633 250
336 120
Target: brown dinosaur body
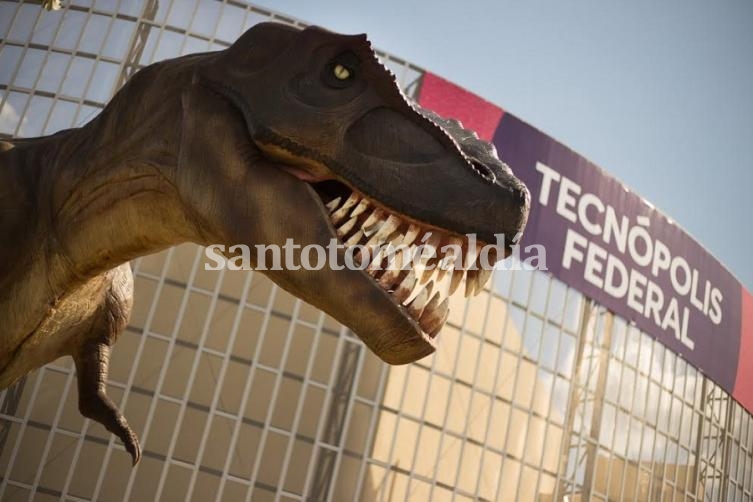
257 144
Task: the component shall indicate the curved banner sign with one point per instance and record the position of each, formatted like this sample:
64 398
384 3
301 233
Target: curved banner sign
615 247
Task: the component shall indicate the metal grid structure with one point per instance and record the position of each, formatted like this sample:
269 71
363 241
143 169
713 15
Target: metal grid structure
241 392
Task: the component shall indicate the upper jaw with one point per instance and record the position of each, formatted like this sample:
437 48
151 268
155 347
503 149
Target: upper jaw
448 192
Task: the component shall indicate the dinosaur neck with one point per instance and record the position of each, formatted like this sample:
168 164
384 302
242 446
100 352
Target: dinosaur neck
104 197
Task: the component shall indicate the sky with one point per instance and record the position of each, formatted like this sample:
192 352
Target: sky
660 94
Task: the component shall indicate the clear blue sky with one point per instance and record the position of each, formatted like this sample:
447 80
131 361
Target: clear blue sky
659 93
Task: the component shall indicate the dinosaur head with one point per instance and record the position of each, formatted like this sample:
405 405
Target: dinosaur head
351 157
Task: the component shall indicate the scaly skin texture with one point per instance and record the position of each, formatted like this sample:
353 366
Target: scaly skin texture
228 147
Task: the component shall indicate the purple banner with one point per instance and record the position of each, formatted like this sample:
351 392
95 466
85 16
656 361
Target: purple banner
616 248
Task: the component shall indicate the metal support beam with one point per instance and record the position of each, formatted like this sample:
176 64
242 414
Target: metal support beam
592 449
138 42
726 446
564 486
334 427
699 441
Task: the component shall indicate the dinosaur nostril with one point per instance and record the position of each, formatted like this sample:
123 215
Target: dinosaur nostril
484 171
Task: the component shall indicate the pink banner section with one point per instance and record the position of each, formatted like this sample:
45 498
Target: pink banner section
696 307
743 391
452 101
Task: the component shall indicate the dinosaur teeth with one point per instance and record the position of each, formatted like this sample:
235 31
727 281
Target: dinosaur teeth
392 272
476 280
470 283
429 288
443 312
372 229
455 248
391 224
352 200
361 208
493 256
411 234
436 331
373 221
434 314
346 227
397 241
376 261
457 278
444 265
333 204
429 265
469 258
433 304
416 307
426 259
385 229
405 288
355 238
338 215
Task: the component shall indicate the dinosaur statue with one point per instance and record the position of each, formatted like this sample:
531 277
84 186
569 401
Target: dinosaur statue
288 133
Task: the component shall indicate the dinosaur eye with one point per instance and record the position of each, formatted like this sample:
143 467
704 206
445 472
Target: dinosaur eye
341 70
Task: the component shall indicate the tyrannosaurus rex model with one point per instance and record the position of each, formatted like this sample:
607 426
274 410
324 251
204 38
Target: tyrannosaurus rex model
287 134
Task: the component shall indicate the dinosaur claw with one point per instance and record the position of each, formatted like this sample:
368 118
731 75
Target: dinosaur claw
127 436
100 408
136 456
132 446
93 402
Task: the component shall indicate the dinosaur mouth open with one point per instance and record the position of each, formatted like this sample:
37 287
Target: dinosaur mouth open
434 265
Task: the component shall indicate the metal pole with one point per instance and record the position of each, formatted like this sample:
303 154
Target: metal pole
138 42
726 447
699 440
334 426
573 400
601 383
